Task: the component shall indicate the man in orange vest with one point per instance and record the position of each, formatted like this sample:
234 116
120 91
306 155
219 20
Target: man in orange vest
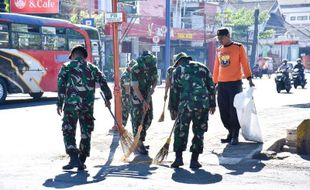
230 61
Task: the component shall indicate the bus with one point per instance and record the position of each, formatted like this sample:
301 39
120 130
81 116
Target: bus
33 49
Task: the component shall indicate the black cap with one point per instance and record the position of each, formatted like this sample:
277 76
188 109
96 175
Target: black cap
222 32
79 48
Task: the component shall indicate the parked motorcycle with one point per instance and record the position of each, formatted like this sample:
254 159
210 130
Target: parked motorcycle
297 79
283 81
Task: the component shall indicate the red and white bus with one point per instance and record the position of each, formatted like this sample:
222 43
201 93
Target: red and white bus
32 50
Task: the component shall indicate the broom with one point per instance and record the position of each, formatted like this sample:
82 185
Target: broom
135 141
162 116
126 139
163 152
137 137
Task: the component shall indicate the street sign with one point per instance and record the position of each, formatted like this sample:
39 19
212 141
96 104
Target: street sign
113 17
89 21
155 48
163 29
155 39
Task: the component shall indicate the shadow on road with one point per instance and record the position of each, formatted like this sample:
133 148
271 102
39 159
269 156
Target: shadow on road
70 178
22 103
307 105
243 167
196 177
139 168
305 157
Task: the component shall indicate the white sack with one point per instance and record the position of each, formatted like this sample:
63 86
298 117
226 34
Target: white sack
247 116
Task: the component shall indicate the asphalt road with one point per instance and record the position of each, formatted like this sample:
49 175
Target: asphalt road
32 151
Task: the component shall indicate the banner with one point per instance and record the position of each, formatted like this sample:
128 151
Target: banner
34 6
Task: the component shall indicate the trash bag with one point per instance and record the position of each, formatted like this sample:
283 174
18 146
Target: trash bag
247 116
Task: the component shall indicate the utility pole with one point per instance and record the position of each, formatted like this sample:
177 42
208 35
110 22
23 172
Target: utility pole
167 39
255 36
204 32
90 8
117 92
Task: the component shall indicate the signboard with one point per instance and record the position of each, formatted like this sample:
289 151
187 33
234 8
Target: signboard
89 21
184 36
113 17
155 39
155 48
34 6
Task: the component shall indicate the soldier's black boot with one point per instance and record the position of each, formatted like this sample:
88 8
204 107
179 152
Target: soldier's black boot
74 162
178 160
141 149
228 139
194 161
82 158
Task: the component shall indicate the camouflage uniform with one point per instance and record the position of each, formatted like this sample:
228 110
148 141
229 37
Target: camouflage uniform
76 91
125 81
192 93
143 74
169 77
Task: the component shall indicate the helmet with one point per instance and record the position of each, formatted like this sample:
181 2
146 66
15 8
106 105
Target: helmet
298 60
179 56
284 61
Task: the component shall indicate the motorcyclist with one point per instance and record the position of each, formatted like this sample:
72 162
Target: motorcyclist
284 68
300 68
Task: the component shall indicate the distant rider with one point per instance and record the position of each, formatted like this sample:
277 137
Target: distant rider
300 68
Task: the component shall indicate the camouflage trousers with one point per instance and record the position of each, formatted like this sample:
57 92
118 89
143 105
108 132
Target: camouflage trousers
136 118
86 121
125 109
199 127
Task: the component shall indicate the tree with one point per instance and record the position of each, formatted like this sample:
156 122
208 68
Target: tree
240 21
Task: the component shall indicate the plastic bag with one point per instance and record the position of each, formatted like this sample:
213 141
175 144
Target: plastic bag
247 116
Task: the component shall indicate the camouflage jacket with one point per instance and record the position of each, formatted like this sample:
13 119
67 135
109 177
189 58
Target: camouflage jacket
125 80
143 74
192 87
76 85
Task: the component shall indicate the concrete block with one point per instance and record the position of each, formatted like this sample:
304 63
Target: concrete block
303 137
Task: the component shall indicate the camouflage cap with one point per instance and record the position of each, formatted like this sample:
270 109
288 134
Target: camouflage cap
181 55
79 48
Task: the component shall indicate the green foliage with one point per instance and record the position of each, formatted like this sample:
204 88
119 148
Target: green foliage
240 20
242 17
7 5
266 34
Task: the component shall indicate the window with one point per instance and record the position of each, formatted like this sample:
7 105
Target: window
293 18
4 35
302 17
74 38
53 38
26 36
26 41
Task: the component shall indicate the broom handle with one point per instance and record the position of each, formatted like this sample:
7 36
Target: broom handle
174 125
102 95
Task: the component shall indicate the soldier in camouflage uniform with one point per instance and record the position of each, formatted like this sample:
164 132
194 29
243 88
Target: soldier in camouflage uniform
143 78
168 86
194 97
76 95
125 86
